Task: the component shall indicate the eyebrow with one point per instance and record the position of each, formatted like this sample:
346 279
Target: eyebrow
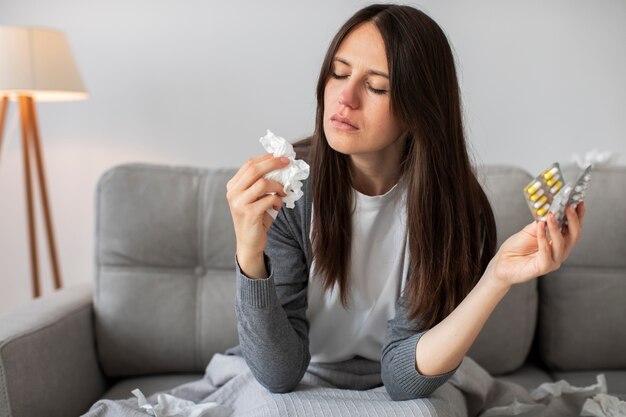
371 71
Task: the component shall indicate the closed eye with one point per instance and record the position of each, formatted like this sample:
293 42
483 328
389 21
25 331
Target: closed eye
376 90
369 87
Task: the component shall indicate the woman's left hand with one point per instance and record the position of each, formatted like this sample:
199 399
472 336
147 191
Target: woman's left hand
529 254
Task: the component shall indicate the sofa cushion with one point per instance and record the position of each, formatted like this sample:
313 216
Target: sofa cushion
504 342
164 294
583 304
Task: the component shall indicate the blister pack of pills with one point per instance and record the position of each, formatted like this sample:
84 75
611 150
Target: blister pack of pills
548 193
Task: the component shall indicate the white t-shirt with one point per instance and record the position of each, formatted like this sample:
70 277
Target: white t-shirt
378 267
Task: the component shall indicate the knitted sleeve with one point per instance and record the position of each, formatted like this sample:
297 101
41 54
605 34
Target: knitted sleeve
271 313
399 373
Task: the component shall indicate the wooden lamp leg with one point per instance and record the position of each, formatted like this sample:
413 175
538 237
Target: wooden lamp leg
29 196
43 188
30 137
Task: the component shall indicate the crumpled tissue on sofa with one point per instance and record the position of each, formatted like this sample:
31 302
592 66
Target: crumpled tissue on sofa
171 406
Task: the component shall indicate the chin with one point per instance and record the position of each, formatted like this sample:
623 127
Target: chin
342 142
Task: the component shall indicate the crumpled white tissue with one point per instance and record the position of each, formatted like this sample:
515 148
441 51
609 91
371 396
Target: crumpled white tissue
603 405
561 387
594 157
171 406
292 175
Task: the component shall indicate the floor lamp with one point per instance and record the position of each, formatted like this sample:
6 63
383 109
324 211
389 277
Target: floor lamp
36 65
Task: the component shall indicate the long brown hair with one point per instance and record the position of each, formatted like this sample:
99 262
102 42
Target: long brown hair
451 228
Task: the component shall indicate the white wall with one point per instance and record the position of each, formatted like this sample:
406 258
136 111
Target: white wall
197 82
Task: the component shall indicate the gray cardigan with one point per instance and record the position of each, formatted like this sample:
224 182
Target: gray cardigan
271 315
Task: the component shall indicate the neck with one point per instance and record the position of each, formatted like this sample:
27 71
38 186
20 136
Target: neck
376 173
373 183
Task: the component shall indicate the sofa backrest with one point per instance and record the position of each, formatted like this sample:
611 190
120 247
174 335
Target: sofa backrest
505 341
582 312
164 256
165 283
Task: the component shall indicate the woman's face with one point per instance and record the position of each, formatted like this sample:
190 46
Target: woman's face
357 106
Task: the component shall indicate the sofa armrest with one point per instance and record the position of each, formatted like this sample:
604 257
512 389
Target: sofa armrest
48 362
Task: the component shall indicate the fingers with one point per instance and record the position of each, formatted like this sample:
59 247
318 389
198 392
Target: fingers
241 202
267 221
258 169
573 230
545 251
249 197
581 209
250 162
266 202
260 188
558 242
574 225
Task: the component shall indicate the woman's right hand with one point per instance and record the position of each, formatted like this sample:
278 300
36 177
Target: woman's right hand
248 195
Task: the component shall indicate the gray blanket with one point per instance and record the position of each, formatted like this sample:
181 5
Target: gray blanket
353 389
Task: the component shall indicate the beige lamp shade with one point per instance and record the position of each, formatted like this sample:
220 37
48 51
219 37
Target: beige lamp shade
38 63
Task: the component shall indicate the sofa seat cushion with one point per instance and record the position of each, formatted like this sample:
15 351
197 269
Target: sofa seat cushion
147 384
529 376
615 379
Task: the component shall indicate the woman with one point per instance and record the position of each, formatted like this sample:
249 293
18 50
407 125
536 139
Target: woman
389 256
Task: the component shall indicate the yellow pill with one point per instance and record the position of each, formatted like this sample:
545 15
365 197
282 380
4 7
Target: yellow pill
541 202
543 210
554 179
538 194
534 187
556 187
550 173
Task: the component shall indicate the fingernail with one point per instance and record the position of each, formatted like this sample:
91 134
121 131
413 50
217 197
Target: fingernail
284 159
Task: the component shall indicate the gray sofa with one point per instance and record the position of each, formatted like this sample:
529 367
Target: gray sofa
162 301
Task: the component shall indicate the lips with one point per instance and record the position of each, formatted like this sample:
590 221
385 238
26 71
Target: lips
343 122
